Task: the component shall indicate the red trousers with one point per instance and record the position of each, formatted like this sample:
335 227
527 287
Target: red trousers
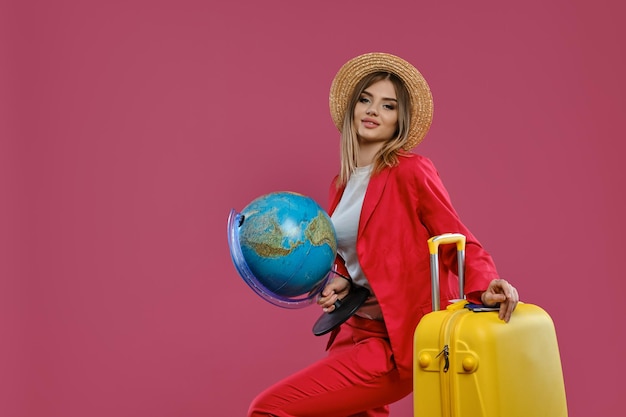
358 378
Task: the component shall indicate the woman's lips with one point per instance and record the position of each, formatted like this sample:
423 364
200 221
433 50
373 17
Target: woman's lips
369 123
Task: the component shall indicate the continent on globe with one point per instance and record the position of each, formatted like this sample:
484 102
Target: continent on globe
288 242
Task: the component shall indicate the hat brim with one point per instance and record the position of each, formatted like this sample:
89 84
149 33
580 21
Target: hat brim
354 70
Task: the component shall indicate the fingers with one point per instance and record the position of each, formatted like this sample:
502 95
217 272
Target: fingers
331 293
500 291
328 302
506 310
507 306
494 294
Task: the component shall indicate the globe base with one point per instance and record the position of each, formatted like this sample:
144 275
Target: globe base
344 309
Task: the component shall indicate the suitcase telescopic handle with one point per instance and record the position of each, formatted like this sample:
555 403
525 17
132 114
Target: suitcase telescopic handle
433 248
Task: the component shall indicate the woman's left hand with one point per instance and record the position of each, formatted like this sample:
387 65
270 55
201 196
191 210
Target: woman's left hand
500 291
335 290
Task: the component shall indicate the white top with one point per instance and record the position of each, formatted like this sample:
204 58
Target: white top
346 222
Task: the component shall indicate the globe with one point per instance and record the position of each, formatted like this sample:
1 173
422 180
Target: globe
283 244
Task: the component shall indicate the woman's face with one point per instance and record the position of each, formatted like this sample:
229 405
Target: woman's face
376 113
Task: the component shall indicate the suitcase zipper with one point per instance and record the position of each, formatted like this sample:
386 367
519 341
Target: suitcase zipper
446 378
448 327
446 357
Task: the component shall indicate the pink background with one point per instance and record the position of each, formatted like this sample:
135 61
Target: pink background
130 129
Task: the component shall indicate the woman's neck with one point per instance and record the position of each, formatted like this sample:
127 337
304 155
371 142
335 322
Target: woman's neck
367 153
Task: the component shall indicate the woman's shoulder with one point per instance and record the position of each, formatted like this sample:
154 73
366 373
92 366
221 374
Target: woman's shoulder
414 163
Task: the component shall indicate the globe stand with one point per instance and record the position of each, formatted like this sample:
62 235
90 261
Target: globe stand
344 309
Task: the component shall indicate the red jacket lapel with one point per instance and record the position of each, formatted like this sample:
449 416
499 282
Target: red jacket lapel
373 194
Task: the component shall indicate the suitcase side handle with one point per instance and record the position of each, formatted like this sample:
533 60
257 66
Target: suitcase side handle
433 248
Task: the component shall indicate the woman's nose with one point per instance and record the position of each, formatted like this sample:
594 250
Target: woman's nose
371 111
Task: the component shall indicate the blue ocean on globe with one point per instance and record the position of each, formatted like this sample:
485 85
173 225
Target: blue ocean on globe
288 242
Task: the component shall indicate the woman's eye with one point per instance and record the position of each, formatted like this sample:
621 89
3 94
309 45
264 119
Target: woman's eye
389 106
364 100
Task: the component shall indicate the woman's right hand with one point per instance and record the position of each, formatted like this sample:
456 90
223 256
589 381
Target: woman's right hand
336 289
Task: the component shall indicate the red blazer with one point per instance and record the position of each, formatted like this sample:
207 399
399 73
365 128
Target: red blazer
403 207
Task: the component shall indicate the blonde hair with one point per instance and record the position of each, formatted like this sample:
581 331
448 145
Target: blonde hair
388 154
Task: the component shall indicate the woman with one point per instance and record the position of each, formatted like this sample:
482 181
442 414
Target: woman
385 204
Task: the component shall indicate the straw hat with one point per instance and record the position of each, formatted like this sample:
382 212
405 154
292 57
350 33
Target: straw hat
354 70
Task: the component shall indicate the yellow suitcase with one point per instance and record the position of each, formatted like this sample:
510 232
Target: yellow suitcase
469 363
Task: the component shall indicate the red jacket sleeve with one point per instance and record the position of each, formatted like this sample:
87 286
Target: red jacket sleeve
439 216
